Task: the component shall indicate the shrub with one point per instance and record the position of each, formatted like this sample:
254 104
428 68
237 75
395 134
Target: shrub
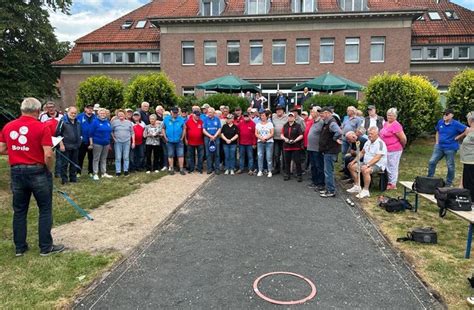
155 88
416 100
101 89
232 101
340 103
187 102
460 95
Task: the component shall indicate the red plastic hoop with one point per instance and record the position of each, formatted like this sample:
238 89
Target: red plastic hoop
282 302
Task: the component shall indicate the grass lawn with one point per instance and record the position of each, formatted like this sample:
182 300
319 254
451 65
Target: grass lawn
443 265
46 282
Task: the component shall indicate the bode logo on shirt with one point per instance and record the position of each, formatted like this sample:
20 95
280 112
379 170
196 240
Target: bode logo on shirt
21 138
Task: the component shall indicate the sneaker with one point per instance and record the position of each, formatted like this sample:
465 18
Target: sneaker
269 175
118 174
391 186
259 174
354 189
164 168
126 173
311 185
171 172
20 253
53 250
363 194
218 172
107 176
322 191
78 175
327 194
209 171
238 171
91 175
250 172
148 172
95 177
156 171
319 188
232 172
181 171
226 172
470 301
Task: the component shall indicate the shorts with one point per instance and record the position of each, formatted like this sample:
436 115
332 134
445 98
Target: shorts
175 149
376 169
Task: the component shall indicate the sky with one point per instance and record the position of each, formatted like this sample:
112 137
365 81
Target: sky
88 15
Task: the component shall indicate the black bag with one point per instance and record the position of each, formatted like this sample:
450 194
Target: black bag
395 205
421 235
457 199
427 185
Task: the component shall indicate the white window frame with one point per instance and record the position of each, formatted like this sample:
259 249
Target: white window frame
134 57
350 42
159 57
257 12
208 47
433 15
418 49
115 58
255 44
303 43
140 54
353 3
103 58
468 52
233 44
346 92
211 7
140 24
302 6
188 45
327 43
452 52
127 24
92 58
428 53
275 44
188 91
374 42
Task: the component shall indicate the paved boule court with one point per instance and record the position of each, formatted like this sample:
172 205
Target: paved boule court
237 228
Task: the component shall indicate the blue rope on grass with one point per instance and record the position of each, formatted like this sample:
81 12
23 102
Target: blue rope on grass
72 203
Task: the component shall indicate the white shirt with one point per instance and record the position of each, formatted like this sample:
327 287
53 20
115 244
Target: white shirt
375 148
264 130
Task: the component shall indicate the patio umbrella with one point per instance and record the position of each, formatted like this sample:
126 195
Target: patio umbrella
228 83
328 82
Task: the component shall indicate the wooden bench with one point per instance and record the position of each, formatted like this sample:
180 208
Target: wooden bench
465 215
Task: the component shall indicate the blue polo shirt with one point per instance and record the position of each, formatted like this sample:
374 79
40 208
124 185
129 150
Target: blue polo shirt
447 133
174 128
212 125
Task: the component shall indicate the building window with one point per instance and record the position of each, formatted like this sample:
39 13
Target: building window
352 50
351 93
303 6
210 53
188 91
187 52
141 24
279 52
353 5
256 52
432 53
95 58
155 57
256 7
142 58
377 49
463 53
422 17
448 53
131 58
210 8
118 58
127 24
416 54
233 52
302 51
326 50
434 15
451 15
107 58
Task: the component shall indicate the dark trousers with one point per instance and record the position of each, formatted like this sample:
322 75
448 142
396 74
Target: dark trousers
73 156
137 158
83 151
36 180
296 157
316 160
191 157
155 152
468 178
278 161
58 163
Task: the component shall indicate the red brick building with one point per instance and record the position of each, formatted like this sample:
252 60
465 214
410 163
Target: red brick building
276 43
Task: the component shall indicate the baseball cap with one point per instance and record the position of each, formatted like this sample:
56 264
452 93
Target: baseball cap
371 107
89 105
196 112
304 113
449 111
174 109
96 107
291 114
326 109
253 110
129 110
205 106
230 116
136 113
318 108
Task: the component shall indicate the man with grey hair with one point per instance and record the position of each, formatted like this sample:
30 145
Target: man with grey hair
353 137
351 123
144 112
28 144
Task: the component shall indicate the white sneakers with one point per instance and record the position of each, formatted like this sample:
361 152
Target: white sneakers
226 172
156 171
95 177
148 172
108 176
232 172
269 174
164 168
259 174
363 194
354 189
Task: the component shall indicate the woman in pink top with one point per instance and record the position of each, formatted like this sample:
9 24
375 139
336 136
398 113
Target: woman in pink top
394 137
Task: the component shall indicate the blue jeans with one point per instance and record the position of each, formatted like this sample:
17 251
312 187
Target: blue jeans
122 151
246 150
265 150
192 149
58 163
437 155
38 181
329 160
213 159
165 153
229 151
137 157
175 149
316 160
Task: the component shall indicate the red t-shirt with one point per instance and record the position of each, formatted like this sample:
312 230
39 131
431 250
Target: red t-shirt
25 138
194 132
52 124
138 129
247 133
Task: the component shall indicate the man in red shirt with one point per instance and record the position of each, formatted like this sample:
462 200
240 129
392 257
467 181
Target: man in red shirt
28 144
247 143
194 139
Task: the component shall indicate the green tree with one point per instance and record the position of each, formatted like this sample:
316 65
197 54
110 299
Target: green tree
27 49
416 100
155 88
101 89
340 103
232 101
187 102
460 95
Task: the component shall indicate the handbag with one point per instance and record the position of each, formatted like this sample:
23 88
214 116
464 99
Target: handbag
212 146
456 199
421 235
395 204
427 185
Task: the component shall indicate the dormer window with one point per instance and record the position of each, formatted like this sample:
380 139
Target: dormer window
353 5
141 24
451 15
434 15
211 7
303 6
127 24
257 7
